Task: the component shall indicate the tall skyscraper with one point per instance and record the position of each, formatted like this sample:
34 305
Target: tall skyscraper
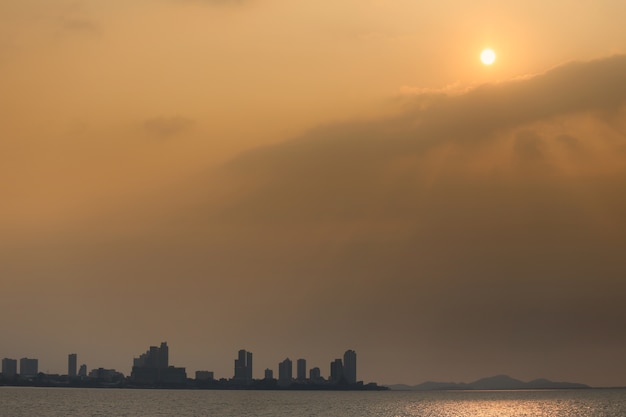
315 374
155 357
249 366
349 366
336 370
153 368
243 367
9 368
163 357
301 370
29 367
71 365
285 372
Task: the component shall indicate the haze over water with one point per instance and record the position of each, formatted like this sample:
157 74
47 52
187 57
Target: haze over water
301 177
48 402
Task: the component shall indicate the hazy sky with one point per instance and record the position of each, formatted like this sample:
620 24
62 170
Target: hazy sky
299 178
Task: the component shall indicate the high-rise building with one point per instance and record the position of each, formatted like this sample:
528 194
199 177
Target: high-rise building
349 366
71 364
315 374
301 370
249 366
269 374
29 367
152 368
243 367
163 358
336 370
9 368
285 372
82 372
155 357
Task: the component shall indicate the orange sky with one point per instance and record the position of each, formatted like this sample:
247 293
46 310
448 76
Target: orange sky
302 178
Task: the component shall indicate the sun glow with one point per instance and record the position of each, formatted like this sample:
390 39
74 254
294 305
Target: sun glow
488 56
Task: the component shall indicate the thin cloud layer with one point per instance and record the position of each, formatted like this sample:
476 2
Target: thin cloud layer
341 160
81 25
572 88
165 127
214 2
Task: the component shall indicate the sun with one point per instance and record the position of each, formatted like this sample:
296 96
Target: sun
488 56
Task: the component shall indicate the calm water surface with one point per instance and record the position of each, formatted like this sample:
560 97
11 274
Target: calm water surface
113 402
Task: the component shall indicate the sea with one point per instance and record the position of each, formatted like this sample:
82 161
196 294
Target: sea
70 402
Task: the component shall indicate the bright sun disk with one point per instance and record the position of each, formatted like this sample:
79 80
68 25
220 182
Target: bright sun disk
488 56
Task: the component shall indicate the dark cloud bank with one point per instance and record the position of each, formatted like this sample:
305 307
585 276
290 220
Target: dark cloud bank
478 114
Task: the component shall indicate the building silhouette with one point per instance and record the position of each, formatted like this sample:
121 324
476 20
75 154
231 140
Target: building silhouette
29 367
336 371
269 374
285 372
155 357
315 375
301 370
243 367
9 368
82 372
349 366
152 368
72 360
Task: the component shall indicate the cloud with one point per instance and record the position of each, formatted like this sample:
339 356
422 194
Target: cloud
528 145
575 87
214 2
81 25
331 164
166 127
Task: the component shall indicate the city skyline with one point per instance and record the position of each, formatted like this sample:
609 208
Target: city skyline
153 370
157 357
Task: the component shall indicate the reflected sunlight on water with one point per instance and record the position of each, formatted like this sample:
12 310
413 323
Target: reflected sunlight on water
594 403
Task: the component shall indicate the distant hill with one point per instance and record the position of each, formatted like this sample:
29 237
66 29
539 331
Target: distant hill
498 382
